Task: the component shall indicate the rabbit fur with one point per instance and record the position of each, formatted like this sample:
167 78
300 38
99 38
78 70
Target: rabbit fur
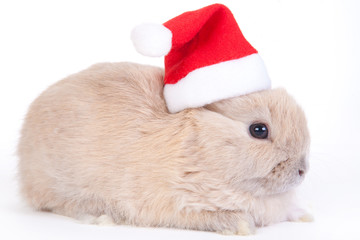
101 142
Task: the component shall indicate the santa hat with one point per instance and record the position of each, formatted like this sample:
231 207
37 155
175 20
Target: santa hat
207 57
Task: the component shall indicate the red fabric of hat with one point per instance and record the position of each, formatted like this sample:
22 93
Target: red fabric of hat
207 57
201 38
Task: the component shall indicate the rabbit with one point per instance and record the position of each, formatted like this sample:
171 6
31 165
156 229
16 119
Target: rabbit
101 146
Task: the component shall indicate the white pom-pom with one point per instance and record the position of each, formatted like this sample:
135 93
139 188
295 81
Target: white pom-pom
153 40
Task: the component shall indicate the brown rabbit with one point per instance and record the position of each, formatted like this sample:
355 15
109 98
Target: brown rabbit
102 145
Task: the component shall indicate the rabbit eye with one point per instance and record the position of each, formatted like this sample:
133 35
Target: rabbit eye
259 130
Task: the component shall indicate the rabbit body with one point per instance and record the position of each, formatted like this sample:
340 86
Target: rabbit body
101 142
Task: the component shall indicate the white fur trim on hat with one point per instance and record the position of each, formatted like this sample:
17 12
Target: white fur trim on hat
153 40
216 82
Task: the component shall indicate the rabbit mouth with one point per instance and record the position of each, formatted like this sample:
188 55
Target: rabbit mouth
285 176
274 183
282 182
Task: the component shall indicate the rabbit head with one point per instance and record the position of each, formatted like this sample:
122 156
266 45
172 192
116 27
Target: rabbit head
265 139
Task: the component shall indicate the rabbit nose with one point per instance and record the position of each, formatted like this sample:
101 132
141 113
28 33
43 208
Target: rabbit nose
303 166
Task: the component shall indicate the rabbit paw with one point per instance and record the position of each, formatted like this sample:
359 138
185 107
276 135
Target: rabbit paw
300 215
306 217
242 228
102 220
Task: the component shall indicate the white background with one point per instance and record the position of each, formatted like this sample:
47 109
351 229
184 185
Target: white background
311 48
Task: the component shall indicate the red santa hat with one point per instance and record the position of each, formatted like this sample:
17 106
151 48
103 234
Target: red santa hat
207 58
